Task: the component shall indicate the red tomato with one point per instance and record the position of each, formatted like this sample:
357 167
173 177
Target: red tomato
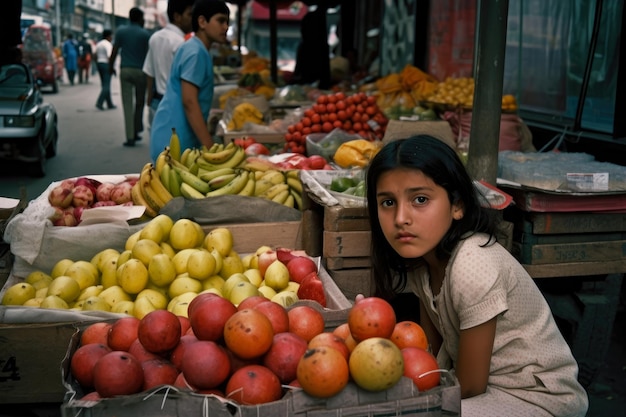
317 162
299 127
327 127
297 137
309 112
340 96
315 118
323 99
356 117
341 105
371 100
342 115
316 128
331 107
306 131
332 117
332 98
306 121
347 125
357 126
371 110
338 124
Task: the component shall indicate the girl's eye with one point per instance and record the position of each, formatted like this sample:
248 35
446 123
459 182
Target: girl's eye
420 200
386 203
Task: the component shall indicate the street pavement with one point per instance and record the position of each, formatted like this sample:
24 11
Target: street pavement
90 141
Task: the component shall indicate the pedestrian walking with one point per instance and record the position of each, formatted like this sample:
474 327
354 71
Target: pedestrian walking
103 52
189 93
162 46
131 42
70 56
84 58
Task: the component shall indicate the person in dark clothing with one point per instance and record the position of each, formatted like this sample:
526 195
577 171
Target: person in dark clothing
312 58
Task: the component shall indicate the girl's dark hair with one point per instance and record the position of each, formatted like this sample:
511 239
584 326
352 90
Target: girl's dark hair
207 8
440 162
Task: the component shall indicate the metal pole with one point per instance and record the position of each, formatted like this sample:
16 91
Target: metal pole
57 12
482 161
273 41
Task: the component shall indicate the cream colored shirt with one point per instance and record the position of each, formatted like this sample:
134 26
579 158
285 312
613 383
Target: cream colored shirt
530 360
162 47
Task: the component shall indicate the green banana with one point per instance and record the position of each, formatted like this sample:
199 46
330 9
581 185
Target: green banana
281 197
238 157
297 198
233 187
221 156
221 181
175 182
193 180
189 192
207 176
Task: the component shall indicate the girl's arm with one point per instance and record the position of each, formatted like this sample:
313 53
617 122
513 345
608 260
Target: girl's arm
194 113
472 367
434 338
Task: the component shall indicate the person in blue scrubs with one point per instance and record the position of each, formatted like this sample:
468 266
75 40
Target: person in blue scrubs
187 100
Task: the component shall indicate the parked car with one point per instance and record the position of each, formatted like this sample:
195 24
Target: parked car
38 53
28 126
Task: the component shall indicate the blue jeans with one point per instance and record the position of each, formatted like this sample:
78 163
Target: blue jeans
105 79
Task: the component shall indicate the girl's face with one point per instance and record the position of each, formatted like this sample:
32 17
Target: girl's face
213 30
414 212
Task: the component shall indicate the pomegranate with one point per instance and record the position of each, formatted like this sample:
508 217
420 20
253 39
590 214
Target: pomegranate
103 192
159 331
284 355
117 373
83 196
61 196
253 384
84 360
158 372
205 364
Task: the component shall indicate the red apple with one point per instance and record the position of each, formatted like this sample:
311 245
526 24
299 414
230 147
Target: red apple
83 196
265 259
276 313
139 351
83 361
95 333
421 366
159 331
299 267
158 372
177 355
123 333
317 162
251 302
103 192
205 364
208 316
117 373
61 196
185 324
253 384
284 354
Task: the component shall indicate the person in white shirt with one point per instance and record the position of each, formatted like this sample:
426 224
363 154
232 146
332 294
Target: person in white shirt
103 51
162 46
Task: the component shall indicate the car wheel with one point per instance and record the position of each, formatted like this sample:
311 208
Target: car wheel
38 166
51 149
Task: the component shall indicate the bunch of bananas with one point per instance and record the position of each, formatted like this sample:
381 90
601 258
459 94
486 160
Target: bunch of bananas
244 113
220 170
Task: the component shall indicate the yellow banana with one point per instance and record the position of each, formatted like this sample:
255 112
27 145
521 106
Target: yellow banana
289 201
233 187
159 188
175 145
274 190
177 164
164 176
191 158
193 180
293 173
257 174
175 182
207 176
194 168
238 157
262 186
274 176
257 165
139 200
185 155
213 148
152 198
221 181
248 189
188 191
281 197
160 161
295 184
297 199
221 156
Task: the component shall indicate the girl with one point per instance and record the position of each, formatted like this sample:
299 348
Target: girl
481 311
189 92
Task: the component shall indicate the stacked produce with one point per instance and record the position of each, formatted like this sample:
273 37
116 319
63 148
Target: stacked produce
245 113
399 93
221 170
165 265
72 196
254 353
356 114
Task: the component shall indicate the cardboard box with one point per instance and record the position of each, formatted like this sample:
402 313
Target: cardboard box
167 401
29 361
